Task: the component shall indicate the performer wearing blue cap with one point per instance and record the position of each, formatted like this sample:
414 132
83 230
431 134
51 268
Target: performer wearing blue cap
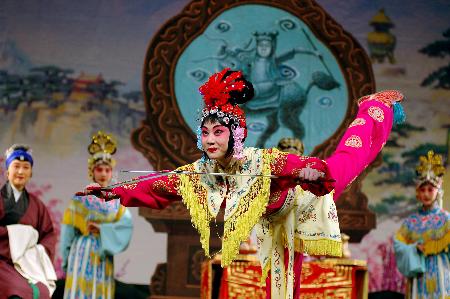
27 237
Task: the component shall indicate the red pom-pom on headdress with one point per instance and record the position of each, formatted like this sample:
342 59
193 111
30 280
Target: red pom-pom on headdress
216 95
216 92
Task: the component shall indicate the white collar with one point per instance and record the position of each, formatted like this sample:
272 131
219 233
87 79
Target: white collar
16 192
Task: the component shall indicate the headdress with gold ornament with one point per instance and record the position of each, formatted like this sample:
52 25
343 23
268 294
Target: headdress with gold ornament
430 169
102 147
221 95
268 36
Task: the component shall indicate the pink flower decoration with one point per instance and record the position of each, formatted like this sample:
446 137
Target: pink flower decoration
238 135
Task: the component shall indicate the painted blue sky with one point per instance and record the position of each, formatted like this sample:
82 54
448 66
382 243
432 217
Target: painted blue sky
111 37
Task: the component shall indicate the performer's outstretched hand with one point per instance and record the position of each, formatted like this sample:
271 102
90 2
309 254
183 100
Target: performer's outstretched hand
310 174
95 189
92 189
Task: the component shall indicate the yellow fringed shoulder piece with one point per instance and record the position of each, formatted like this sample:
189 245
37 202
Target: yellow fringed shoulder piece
251 208
190 190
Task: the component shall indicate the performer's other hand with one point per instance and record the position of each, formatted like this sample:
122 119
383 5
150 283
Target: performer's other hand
420 247
91 189
94 189
310 174
93 227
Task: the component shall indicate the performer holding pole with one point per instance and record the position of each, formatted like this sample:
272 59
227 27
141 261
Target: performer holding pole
255 191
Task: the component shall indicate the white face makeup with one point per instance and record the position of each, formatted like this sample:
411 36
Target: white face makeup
215 137
102 174
426 194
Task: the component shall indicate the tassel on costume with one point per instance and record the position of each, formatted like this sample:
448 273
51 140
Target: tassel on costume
399 114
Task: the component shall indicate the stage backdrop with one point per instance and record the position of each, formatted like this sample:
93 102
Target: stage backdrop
69 69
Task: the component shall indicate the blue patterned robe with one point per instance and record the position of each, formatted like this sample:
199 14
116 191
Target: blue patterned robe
88 257
428 272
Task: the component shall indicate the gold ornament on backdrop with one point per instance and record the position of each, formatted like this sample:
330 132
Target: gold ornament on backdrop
291 145
102 147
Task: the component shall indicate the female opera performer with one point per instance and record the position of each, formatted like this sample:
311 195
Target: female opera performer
256 191
422 242
92 233
27 235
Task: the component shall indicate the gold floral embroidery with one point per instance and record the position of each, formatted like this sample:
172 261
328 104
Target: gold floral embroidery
130 186
296 172
372 97
161 186
386 97
310 164
354 141
376 113
308 214
274 197
279 162
357 122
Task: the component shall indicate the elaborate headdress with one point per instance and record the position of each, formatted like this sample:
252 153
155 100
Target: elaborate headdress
102 147
430 169
19 152
221 95
270 36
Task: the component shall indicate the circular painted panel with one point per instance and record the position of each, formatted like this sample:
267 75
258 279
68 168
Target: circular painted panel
300 89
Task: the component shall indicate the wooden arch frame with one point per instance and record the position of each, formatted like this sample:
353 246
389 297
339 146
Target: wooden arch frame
167 141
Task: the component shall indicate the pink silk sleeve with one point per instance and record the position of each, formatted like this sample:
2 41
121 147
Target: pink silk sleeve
361 143
287 167
155 193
